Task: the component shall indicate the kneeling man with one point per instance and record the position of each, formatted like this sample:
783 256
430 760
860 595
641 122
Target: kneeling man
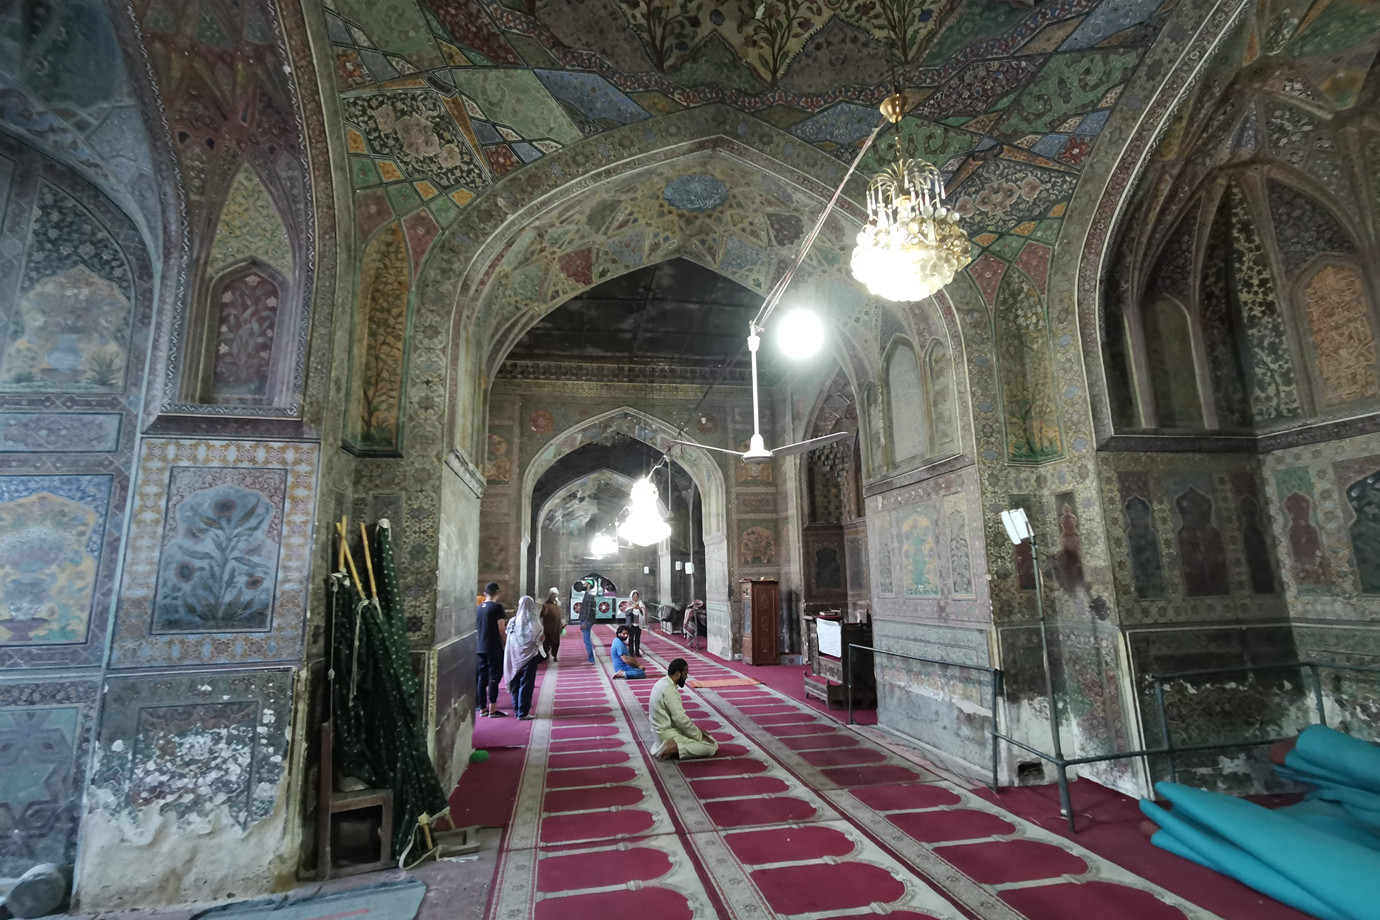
625 665
676 735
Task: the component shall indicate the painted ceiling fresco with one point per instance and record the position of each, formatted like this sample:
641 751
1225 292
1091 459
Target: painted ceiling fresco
63 86
443 98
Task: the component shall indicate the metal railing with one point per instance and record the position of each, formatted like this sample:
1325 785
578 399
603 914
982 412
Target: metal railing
1168 748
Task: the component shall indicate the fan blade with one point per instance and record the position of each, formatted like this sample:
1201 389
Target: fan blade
722 450
800 447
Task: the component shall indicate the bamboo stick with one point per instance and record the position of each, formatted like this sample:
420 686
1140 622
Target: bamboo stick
368 562
349 556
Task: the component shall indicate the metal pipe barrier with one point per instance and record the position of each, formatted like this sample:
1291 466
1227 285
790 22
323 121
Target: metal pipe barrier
1167 748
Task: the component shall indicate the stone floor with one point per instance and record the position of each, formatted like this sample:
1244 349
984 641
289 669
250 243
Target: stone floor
456 889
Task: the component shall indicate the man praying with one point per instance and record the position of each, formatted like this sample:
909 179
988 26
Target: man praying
625 664
676 735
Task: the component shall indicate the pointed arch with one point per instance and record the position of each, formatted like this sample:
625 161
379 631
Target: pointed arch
906 400
1173 363
657 433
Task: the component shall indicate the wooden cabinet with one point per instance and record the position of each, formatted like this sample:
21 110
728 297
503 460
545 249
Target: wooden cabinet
760 601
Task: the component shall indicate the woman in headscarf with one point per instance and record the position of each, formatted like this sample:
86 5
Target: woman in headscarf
552 623
635 614
521 654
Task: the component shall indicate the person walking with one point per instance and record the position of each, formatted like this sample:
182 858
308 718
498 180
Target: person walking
552 624
587 609
490 650
635 615
521 655
676 735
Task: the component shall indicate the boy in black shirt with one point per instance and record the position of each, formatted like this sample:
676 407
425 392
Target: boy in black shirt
490 646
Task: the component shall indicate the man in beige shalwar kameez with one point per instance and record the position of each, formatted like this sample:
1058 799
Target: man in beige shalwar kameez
676 735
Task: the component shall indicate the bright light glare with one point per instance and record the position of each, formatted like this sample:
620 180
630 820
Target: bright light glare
603 545
644 525
799 334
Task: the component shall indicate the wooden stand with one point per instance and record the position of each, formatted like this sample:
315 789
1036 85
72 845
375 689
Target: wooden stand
828 677
331 803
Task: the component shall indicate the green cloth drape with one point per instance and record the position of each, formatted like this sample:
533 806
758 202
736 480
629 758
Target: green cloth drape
384 736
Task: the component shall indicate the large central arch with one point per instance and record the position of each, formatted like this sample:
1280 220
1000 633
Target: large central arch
657 433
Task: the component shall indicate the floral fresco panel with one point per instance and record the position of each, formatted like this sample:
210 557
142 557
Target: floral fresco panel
219 568
51 532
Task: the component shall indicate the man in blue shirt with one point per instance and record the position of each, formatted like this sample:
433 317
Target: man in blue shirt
625 665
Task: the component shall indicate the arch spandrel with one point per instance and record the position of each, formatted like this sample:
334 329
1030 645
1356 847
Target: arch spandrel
453 284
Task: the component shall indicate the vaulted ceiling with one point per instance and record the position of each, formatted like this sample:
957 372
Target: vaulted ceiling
443 98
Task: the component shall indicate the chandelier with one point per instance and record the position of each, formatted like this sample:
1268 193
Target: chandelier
912 244
644 525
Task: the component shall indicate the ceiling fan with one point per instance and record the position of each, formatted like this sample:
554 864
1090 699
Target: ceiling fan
757 449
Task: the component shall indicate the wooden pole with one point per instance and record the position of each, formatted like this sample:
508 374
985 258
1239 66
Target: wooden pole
349 556
368 562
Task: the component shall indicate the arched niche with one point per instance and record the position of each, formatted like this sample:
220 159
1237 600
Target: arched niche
907 421
589 485
243 321
657 433
1173 362
1330 295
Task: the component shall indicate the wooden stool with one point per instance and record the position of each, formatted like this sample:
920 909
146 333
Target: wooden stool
331 803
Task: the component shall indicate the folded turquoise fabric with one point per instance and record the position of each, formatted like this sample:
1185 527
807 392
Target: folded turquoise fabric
1321 856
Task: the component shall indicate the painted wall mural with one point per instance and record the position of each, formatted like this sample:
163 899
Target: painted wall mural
1027 383
920 552
757 544
216 570
1068 558
1273 391
192 749
52 530
1363 496
1339 318
1221 327
384 283
880 532
1255 543
246 310
939 370
960 554
1307 559
45 746
220 556
1142 541
70 326
1202 554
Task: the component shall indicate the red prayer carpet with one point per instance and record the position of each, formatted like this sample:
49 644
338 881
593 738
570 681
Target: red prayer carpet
798 816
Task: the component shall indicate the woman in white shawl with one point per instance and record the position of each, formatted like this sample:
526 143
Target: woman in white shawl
521 654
